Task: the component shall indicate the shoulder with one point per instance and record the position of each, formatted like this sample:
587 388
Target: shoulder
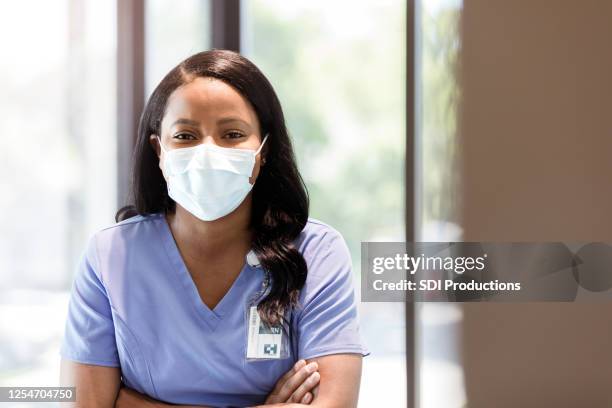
318 236
120 243
322 245
133 228
135 221
330 279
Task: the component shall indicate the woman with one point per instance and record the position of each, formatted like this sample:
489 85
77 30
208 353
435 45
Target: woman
215 288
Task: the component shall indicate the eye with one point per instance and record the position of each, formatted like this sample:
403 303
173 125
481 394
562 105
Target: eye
184 136
234 135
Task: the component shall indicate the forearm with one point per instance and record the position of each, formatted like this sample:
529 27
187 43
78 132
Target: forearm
129 398
159 404
295 405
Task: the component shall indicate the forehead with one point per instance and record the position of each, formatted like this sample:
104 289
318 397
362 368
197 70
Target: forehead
206 98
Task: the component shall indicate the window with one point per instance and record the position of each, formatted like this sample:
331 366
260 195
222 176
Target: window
57 136
339 70
174 31
438 324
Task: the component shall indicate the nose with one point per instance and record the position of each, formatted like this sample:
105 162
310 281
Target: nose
208 140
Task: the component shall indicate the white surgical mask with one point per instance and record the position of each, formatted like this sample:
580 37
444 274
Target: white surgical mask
209 181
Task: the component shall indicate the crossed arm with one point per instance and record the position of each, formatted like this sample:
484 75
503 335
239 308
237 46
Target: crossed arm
338 385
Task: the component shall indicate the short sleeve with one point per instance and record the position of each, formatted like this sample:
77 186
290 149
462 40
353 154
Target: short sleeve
328 321
89 334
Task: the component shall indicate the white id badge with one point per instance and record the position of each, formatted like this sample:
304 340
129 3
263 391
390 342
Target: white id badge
264 341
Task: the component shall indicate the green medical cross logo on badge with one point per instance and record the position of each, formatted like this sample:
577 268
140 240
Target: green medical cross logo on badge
270 349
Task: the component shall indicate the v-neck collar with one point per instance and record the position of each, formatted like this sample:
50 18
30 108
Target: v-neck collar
211 317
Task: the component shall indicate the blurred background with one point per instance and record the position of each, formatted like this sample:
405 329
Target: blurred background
431 120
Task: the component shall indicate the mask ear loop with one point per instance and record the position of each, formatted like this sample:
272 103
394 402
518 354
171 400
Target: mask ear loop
261 145
161 144
166 196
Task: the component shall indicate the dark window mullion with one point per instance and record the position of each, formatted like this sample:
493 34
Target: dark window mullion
130 86
225 24
411 197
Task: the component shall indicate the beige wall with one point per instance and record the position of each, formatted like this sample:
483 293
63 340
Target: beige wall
536 134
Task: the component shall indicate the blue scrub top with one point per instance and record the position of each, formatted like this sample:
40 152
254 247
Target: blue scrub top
134 305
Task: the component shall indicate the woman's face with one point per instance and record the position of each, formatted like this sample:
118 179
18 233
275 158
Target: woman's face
207 110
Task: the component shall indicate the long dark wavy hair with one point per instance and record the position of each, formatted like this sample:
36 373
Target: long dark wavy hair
280 199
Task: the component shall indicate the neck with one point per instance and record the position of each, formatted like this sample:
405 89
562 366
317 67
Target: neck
207 239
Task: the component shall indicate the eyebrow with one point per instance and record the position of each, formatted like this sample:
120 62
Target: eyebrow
183 121
232 119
